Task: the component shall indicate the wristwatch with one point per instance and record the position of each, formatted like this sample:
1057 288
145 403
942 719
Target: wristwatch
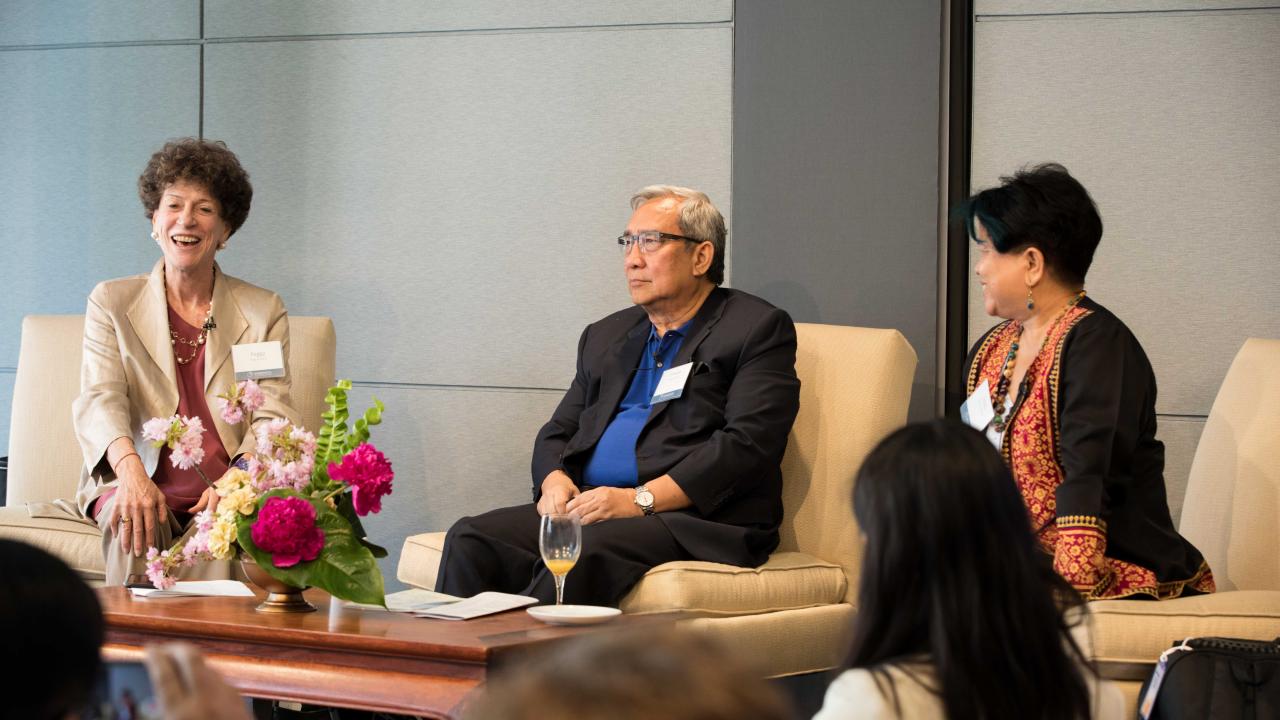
644 499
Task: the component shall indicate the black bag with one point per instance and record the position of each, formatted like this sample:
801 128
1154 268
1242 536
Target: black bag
1214 678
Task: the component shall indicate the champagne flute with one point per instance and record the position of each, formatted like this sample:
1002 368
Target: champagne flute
560 541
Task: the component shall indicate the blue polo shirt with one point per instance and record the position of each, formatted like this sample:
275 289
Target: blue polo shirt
613 459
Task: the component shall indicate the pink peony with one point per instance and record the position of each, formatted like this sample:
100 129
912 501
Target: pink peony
286 528
369 474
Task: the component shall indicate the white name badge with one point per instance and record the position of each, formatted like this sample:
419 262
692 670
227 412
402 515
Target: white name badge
258 360
977 412
671 384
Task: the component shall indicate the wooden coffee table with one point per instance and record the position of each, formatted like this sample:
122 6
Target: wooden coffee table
338 656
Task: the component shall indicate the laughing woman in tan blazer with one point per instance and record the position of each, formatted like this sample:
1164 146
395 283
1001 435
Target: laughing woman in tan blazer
160 344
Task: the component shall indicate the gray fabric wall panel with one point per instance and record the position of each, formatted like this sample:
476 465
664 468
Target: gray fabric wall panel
1173 123
451 200
77 128
1071 7
455 453
836 166
56 22
251 18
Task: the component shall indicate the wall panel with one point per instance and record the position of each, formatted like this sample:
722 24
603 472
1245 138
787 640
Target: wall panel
454 452
836 166
452 201
77 128
1169 113
249 18
1016 8
1173 123
41 22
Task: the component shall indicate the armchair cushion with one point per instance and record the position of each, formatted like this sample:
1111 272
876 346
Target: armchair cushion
78 543
788 581
1135 631
420 560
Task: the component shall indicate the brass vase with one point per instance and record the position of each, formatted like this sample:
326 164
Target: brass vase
281 596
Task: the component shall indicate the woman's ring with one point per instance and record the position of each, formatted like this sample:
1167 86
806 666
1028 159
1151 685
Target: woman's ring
124 521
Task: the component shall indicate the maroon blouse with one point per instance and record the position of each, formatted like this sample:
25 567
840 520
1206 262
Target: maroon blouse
182 488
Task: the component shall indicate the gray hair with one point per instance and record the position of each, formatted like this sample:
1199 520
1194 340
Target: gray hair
698 219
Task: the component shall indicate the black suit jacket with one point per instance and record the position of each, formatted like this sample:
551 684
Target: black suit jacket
722 440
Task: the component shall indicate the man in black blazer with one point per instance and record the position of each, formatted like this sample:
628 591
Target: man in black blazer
668 444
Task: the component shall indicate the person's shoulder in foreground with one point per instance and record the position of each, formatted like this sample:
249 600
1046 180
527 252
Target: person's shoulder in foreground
864 694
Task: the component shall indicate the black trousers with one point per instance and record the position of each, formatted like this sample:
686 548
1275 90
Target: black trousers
499 551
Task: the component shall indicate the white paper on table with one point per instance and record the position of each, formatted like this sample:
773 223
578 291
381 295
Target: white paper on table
408 601
486 603
198 588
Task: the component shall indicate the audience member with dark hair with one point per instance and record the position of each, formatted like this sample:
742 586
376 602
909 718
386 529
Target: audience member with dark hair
959 613
1073 395
630 676
53 630
159 344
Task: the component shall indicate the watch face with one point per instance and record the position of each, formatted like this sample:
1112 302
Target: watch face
644 498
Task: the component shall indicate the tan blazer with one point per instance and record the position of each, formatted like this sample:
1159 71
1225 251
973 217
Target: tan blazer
128 374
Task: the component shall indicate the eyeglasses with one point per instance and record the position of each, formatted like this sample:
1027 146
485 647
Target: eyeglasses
649 240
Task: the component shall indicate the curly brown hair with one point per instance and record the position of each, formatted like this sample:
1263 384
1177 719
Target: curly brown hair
207 162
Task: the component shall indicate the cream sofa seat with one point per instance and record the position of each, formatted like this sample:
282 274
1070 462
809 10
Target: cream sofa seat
792 614
1232 514
44 459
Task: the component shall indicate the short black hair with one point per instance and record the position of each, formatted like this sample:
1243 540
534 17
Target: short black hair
52 627
1042 207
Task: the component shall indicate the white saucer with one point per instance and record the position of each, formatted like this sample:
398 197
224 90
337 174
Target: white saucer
573 614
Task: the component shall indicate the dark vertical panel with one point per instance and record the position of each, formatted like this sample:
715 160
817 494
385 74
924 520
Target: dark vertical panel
837 165
959 118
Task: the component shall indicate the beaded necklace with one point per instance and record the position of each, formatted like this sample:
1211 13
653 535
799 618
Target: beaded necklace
175 338
1006 371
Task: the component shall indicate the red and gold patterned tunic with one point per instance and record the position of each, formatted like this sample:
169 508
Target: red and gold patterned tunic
1081 444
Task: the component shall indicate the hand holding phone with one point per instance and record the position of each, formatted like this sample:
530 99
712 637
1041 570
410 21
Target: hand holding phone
188 689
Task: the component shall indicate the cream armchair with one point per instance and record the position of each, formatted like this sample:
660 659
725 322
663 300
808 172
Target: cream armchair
1232 514
792 614
44 460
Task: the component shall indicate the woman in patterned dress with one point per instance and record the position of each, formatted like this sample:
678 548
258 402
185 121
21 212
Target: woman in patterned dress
1074 395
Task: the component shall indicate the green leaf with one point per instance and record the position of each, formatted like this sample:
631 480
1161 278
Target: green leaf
345 568
331 438
348 511
372 416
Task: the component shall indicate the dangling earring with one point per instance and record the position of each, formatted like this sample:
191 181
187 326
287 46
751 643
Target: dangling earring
1031 301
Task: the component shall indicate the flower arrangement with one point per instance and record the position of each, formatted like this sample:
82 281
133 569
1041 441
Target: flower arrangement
295 505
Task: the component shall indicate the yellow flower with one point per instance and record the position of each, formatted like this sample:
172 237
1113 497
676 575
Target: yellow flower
241 500
232 480
221 536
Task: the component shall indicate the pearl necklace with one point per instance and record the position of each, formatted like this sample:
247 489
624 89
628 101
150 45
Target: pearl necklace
1006 371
